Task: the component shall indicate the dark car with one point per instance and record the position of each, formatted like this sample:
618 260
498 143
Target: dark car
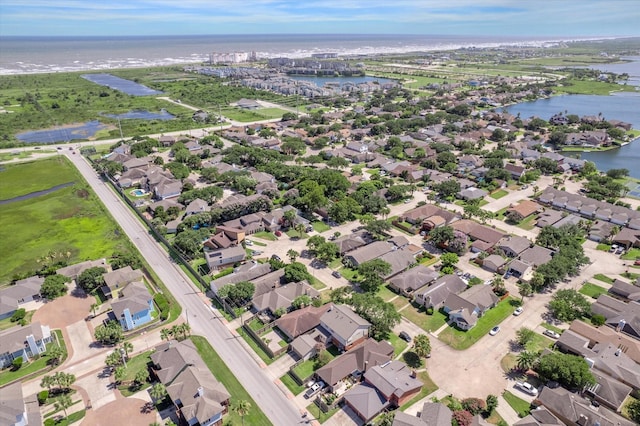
336 274
405 336
276 257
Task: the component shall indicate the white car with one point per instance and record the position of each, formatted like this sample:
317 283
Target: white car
518 311
551 334
495 330
527 388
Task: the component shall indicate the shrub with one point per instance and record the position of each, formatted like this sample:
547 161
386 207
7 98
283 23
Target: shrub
18 315
473 405
42 396
463 417
163 305
17 363
430 310
598 319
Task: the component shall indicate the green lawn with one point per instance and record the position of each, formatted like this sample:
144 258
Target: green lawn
520 406
419 317
460 340
385 293
73 418
539 342
398 344
70 221
528 223
255 346
252 115
603 247
603 278
632 254
319 226
551 327
25 178
291 384
318 414
35 365
6 322
305 369
292 233
135 364
592 290
498 194
317 284
265 236
428 388
226 377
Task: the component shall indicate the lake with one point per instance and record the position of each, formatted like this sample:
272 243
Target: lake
62 134
143 115
321 81
623 106
632 68
116 83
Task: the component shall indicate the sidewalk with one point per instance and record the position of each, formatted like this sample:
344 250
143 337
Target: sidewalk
506 412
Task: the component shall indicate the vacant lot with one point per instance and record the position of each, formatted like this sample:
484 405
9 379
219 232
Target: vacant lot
22 179
69 223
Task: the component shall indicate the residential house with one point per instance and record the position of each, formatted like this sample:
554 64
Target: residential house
115 281
513 245
608 391
536 255
523 210
196 206
310 344
354 362
74 271
591 336
431 214
268 282
18 410
196 394
520 269
347 243
224 237
483 237
472 193
494 263
627 237
434 295
369 252
281 298
620 315
471 161
134 307
301 321
539 417
570 219
431 414
219 258
247 272
347 328
396 381
399 260
548 218
366 401
516 171
625 291
413 279
574 410
23 341
600 231
465 308
23 291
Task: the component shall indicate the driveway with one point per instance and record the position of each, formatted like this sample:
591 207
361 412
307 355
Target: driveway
124 411
65 310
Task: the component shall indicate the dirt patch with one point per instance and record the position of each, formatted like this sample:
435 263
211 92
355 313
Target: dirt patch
125 411
63 311
82 193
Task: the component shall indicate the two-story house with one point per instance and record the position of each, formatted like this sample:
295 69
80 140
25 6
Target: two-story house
134 307
26 342
346 328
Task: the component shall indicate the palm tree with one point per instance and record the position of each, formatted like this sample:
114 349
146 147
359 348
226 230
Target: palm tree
158 392
127 347
241 408
55 355
165 333
175 330
120 372
186 329
526 360
299 229
422 345
94 307
292 255
63 402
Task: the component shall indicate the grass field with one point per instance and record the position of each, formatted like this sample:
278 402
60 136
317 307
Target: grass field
592 290
498 194
134 365
252 115
603 278
70 222
460 340
291 384
519 405
226 377
25 178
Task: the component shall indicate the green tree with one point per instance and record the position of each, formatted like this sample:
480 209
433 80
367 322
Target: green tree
293 255
492 403
158 392
16 364
373 272
524 335
569 370
327 252
448 188
386 419
63 402
422 345
142 376
241 407
526 360
441 236
91 279
110 333
301 301
449 259
377 228
321 359
525 289
314 242
383 316
120 373
54 286
55 354
633 408
94 308
568 305
114 359
238 292
296 272
536 282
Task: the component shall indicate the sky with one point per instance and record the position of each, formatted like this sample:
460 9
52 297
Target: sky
447 17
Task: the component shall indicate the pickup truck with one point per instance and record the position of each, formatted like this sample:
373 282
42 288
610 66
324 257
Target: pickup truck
314 389
527 388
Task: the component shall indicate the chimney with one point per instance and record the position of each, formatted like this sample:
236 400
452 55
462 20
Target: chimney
200 391
366 363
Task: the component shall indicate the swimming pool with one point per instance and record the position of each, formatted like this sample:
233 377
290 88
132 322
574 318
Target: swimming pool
139 192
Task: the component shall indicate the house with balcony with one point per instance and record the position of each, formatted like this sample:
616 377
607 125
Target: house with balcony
134 307
23 341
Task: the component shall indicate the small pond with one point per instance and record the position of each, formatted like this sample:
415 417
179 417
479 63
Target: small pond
116 83
143 115
62 134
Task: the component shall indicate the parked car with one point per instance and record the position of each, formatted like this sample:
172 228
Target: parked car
637 262
551 334
314 389
248 242
405 336
256 252
276 257
278 234
527 388
336 274
518 311
495 330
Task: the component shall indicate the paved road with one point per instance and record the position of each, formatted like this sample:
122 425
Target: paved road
203 320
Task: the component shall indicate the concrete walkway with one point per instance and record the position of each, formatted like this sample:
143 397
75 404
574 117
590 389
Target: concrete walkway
506 412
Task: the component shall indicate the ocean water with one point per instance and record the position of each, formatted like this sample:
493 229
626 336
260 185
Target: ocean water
22 55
